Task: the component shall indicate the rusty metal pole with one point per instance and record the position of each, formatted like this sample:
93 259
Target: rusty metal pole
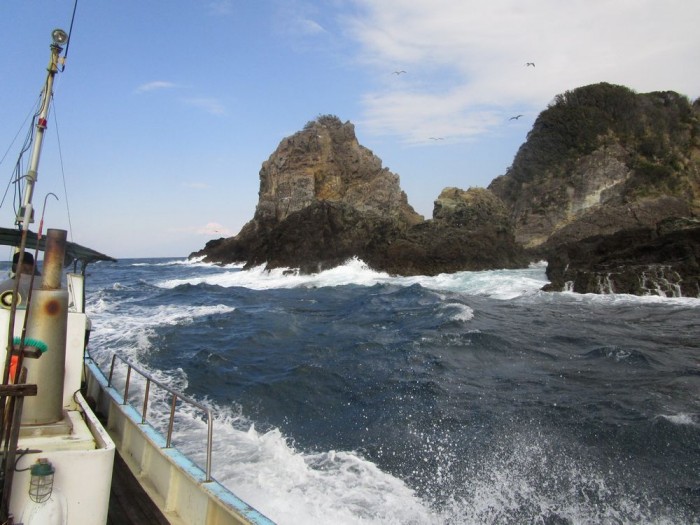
54 254
48 323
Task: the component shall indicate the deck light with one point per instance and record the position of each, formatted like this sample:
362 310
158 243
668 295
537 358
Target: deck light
41 481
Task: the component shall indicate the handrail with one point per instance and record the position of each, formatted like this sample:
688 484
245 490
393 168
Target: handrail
176 395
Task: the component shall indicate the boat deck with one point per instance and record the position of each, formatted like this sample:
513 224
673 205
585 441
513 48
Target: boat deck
128 502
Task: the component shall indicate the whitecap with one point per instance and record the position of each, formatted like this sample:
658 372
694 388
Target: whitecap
681 419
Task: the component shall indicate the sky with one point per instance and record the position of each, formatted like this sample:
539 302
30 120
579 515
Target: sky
166 110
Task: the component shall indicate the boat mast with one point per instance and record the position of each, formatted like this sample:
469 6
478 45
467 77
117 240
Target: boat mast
26 214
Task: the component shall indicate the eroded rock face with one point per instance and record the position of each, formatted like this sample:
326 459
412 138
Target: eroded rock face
597 188
606 188
324 199
325 162
601 159
473 209
642 261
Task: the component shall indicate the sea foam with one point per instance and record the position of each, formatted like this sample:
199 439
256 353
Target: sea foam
497 284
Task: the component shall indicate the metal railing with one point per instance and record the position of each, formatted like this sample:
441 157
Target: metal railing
173 404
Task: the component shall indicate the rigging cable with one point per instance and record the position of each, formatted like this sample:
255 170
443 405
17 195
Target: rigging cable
70 31
17 172
63 172
58 138
19 130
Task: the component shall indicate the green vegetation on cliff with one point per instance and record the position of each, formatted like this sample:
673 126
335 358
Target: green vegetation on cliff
659 131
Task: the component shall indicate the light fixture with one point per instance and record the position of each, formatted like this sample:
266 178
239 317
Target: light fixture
59 36
41 481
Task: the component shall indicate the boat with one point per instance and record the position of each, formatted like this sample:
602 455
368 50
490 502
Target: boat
65 421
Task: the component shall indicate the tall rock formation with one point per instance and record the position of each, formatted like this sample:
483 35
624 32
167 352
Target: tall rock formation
325 162
598 186
324 198
601 159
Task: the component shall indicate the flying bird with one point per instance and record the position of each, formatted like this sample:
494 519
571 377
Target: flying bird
527 64
436 138
398 72
516 117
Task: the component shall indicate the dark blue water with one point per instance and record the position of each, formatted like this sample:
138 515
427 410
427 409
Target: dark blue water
354 397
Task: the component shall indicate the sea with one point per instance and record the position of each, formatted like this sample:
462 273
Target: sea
355 397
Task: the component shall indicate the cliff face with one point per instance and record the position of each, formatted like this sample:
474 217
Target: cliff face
607 189
662 260
602 159
325 162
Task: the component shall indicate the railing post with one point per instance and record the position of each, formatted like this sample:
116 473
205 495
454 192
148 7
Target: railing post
172 421
111 370
210 439
126 386
145 400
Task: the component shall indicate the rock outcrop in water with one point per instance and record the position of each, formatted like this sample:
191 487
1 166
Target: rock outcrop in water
663 260
607 188
324 199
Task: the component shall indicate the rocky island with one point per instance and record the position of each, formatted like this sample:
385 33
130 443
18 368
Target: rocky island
324 199
606 188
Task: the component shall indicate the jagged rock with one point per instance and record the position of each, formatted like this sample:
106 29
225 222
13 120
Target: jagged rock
435 247
470 231
324 199
606 188
603 159
606 220
643 261
599 186
323 235
474 209
325 162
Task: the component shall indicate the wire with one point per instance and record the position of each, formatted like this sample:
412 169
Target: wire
21 454
19 168
63 172
70 32
33 110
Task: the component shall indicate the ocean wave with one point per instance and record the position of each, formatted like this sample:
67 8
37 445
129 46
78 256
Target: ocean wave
682 419
497 284
194 262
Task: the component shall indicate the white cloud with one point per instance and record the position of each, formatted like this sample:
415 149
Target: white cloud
308 27
299 19
155 85
208 104
466 58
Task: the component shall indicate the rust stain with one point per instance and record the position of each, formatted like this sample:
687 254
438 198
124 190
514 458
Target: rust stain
52 307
